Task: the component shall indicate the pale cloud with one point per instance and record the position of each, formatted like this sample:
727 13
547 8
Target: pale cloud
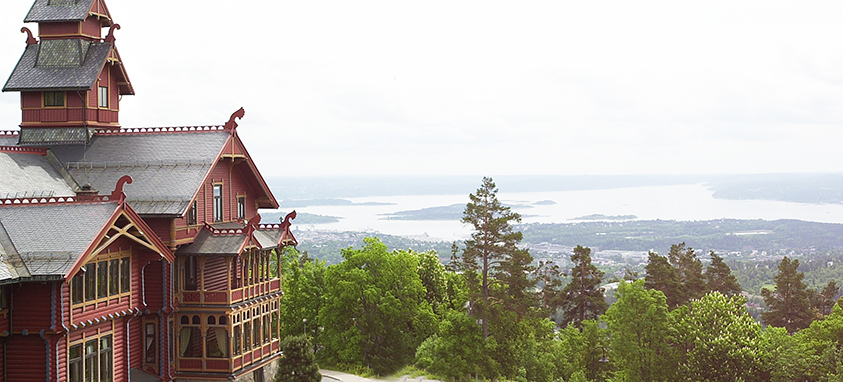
479 87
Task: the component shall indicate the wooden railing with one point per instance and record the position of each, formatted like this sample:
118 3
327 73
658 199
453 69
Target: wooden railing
228 297
229 365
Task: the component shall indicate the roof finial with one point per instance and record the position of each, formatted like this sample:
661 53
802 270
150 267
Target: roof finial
30 40
118 193
110 37
231 125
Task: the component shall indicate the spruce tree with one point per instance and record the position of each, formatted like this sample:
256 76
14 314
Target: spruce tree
789 304
719 277
582 298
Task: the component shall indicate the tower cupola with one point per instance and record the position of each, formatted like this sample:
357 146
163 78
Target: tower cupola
71 78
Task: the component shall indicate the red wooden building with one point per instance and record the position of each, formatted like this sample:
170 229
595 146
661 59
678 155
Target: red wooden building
126 254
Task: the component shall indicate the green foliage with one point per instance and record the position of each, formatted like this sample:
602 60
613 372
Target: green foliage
303 282
719 277
639 327
458 352
582 298
496 269
718 339
297 363
789 305
375 313
662 276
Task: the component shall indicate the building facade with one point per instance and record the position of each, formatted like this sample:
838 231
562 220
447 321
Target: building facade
126 254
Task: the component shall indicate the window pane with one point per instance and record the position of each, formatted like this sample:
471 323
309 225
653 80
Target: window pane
190 342
237 340
247 337
91 364
77 285
217 343
103 97
75 363
125 275
114 270
91 282
149 343
102 279
106 359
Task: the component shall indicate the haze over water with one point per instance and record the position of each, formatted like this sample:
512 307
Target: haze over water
677 202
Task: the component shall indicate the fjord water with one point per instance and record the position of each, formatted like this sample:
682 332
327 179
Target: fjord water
676 202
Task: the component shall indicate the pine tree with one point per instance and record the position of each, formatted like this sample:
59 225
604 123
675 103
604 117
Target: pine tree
582 298
662 276
789 305
719 277
492 255
689 272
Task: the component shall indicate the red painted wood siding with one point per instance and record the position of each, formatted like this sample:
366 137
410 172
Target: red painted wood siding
215 274
53 29
31 306
26 358
92 27
30 99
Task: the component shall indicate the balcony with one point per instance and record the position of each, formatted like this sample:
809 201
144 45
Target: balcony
229 297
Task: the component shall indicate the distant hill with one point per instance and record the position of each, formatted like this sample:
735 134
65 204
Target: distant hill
799 188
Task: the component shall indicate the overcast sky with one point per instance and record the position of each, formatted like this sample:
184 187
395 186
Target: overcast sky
487 87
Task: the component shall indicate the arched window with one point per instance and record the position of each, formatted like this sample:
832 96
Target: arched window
216 343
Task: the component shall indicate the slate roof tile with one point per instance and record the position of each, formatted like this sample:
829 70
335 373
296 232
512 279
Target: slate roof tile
49 238
30 175
58 10
58 67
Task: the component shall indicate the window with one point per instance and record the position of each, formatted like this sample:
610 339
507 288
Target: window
125 275
77 284
191 214
114 275
190 338
191 282
103 97
91 282
149 343
217 202
74 363
247 336
216 338
102 279
106 359
241 207
237 339
91 360
53 99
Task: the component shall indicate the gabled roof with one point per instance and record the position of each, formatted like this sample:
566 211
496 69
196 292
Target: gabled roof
50 238
45 240
66 10
67 64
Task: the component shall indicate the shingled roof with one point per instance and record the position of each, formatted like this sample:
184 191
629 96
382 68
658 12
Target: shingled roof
27 174
59 10
44 241
70 64
166 168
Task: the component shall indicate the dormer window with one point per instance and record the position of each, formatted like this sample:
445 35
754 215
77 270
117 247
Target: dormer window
54 99
103 97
